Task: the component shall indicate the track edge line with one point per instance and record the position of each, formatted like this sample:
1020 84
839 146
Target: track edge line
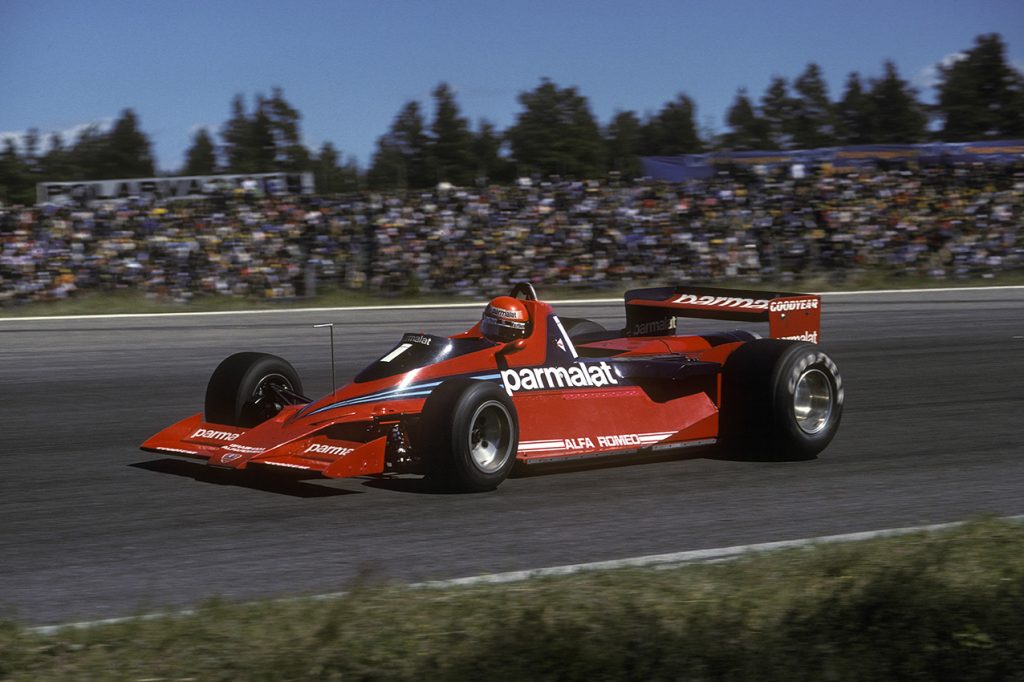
652 560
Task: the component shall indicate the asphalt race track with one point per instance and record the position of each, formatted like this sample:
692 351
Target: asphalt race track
91 527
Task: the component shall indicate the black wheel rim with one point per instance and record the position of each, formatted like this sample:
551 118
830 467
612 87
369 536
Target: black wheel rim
268 396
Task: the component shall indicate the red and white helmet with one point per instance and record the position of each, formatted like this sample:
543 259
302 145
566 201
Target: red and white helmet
505 319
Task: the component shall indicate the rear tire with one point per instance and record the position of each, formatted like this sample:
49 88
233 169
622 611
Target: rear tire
781 400
469 434
240 390
578 326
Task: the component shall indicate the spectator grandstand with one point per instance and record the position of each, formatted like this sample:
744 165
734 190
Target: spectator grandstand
946 222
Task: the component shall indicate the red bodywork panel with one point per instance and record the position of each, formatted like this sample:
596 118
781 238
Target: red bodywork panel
638 390
789 316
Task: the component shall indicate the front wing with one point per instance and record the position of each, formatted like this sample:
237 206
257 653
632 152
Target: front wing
237 448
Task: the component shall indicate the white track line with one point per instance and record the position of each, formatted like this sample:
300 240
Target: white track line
431 306
650 561
692 556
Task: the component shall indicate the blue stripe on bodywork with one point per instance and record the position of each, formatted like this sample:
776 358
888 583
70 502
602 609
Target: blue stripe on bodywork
414 391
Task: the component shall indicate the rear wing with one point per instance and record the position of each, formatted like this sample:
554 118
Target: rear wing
653 312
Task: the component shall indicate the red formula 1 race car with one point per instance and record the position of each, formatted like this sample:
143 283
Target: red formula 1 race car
525 386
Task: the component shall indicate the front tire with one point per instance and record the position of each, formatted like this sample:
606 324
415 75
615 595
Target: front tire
781 400
470 435
245 389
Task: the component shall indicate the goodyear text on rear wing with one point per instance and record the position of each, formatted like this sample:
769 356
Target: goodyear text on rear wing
652 312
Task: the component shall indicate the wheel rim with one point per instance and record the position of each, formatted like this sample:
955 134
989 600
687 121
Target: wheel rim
490 437
266 397
812 401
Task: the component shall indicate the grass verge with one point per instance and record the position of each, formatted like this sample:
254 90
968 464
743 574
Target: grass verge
130 302
933 606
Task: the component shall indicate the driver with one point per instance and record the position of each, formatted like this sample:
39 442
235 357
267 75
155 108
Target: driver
505 319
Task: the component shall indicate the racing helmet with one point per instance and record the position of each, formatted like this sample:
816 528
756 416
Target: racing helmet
505 319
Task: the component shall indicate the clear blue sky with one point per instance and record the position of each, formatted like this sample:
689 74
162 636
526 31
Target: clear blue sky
349 65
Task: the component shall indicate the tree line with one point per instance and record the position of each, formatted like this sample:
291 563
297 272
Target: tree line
979 96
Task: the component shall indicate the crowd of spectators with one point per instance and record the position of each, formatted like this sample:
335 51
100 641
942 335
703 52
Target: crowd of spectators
944 222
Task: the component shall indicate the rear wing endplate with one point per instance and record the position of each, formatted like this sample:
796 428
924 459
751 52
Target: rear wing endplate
653 312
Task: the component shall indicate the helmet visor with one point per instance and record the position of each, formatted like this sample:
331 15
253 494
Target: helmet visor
497 329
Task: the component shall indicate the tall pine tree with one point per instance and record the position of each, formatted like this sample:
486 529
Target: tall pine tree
283 120
981 96
556 134
401 157
624 137
777 110
236 137
675 128
489 164
201 157
451 145
747 130
126 152
898 118
854 113
812 124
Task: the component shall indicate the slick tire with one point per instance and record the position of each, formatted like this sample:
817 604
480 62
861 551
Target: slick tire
470 435
781 400
240 390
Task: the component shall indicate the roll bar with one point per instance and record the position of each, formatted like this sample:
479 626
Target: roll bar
524 288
